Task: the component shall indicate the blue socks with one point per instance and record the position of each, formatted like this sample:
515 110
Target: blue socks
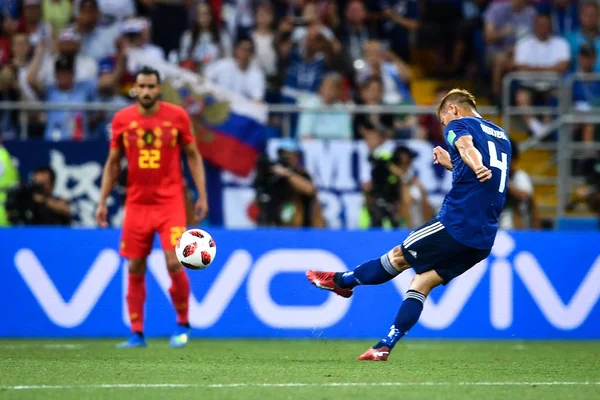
407 317
374 272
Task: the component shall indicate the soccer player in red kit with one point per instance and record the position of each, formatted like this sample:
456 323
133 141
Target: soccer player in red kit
151 134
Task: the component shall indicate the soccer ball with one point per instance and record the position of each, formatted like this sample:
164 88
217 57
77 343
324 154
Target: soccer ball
196 249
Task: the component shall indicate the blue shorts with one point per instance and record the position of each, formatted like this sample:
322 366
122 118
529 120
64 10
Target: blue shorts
431 247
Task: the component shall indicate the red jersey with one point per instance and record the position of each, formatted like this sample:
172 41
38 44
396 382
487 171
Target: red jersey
152 146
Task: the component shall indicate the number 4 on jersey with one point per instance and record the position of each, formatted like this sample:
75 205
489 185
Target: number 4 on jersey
496 163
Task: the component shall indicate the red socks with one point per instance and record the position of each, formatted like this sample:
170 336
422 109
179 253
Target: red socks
136 296
180 295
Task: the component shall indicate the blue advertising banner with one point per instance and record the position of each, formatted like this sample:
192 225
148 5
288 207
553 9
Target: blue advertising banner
71 283
339 169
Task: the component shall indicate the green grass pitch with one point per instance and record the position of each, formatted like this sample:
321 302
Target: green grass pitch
261 369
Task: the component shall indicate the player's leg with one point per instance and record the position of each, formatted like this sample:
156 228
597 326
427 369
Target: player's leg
425 250
170 231
373 272
407 317
136 243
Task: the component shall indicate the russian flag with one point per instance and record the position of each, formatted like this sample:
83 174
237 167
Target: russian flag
230 129
235 142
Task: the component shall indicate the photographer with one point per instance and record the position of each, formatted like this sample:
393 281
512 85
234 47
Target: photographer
384 191
415 207
285 194
32 203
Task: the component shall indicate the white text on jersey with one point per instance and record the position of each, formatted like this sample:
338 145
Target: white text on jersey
493 132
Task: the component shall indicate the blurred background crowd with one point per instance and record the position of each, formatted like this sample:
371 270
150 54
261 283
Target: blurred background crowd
315 53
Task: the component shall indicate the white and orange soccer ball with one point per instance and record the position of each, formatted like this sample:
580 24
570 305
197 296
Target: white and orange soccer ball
196 249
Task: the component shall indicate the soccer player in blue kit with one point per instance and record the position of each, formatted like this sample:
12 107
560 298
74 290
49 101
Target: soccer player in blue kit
460 236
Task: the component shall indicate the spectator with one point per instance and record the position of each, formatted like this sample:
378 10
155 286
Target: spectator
401 20
264 38
35 202
586 94
325 125
162 13
62 125
306 66
69 45
9 177
469 52
285 194
354 33
108 94
32 23
96 42
540 52
438 36
113 11
520 211
589 31
9 92
204 42
371 94
505 23
310 20
57 13
21 59
393 75
136 33
239 74
238 15
564 14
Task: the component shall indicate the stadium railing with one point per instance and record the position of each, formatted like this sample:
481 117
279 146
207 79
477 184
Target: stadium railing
286 110
562 147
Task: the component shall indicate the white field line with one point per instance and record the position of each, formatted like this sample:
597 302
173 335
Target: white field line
285 385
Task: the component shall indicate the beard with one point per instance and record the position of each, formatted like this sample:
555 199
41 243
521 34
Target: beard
147 101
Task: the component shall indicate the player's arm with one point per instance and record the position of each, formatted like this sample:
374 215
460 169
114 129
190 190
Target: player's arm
196 165
112 168
472 157
442 157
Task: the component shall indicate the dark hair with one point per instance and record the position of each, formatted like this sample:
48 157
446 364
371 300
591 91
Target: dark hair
587 49
515 152
65 63
213 28
243 39
369 81
93 3
46 169
146 70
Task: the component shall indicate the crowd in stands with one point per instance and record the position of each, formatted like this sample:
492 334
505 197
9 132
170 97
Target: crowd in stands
306 52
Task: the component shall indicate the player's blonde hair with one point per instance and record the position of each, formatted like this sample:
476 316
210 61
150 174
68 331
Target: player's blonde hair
457 96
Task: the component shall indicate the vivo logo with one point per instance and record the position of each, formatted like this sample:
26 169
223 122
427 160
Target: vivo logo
207 311
257 274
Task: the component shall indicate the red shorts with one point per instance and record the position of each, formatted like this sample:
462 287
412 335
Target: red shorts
142 221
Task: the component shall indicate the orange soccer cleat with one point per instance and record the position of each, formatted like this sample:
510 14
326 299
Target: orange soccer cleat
325 280
380 354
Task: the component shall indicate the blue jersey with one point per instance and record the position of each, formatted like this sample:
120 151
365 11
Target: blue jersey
471 209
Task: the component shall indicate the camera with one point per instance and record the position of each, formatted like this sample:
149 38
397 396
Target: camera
270 190
21 209
385 189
